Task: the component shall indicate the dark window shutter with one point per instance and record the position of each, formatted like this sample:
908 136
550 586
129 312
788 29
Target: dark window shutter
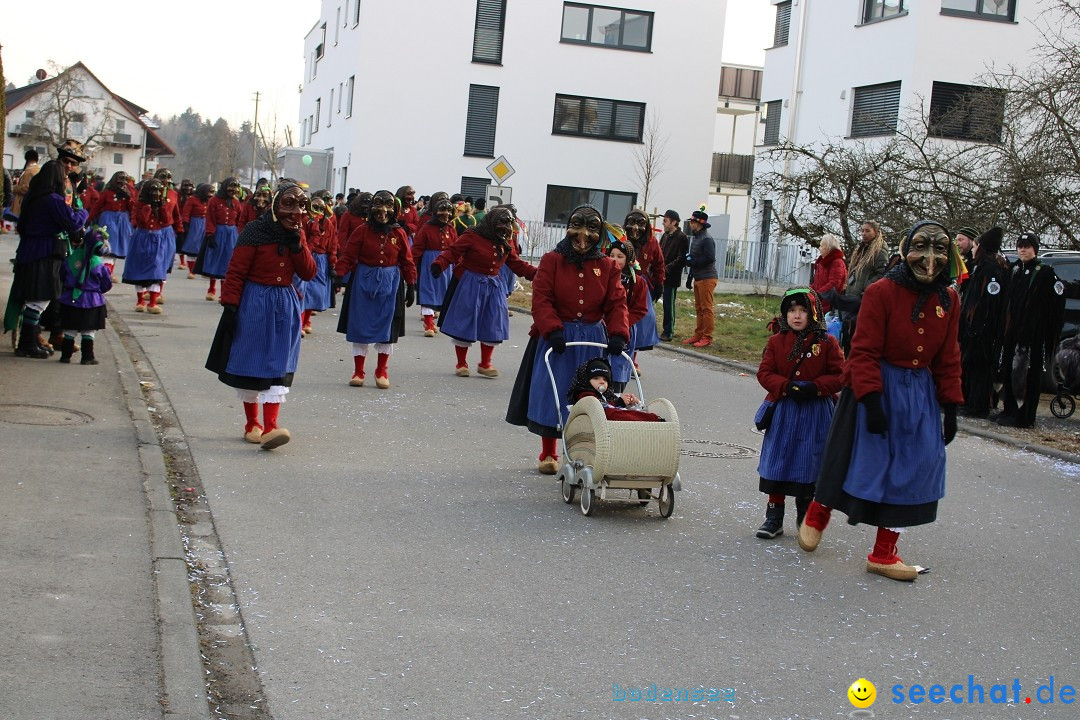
783 24
875 109
772 122
488 34
964 112
480 125
474 187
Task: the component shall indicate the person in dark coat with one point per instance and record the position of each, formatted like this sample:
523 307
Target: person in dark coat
884 462
1033 320
982 315
674 245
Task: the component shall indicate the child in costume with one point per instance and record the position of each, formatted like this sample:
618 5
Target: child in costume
622 251
800 368
593 379
82 303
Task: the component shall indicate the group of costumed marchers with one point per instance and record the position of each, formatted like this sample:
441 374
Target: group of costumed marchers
222 215
320 231
475 307
112 210
193 215
434 235
153 244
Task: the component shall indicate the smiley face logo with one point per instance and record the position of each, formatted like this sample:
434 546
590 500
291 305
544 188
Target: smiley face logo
862 693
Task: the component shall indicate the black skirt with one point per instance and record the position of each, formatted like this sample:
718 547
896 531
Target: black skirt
218 359
517 412
834 469
780 487
37 280
447 297
82 319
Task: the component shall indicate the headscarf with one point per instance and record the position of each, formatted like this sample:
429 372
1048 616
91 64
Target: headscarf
265 229
816 327
629 274
901 274
50 180
566 248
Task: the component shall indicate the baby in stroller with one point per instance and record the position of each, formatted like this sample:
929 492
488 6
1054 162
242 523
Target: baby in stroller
593 379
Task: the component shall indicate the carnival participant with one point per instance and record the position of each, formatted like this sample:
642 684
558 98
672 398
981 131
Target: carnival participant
322 240
434 236
475 306
425 214
187 189
800 368
175 227
373 311
253 207
193 216
86 279
984 299
113 212
257 345
222 212
408 218
354 217
151 253
622 251
884 461
577 296
650 259
45 222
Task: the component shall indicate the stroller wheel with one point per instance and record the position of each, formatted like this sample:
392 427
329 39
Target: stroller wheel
568 491
588 501
1063 406
666 501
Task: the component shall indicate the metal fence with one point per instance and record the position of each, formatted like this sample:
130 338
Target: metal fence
749 262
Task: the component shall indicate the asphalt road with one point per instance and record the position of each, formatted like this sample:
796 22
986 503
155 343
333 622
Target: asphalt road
401 557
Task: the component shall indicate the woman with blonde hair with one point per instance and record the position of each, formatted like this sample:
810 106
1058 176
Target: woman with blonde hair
869 261
830 272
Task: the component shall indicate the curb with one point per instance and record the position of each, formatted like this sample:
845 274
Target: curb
964 425
183 677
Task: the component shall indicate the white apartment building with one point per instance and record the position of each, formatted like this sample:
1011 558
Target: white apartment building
75 104
430 93
738 130
848 69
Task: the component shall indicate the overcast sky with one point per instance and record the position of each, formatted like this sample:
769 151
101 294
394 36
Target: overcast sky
193 53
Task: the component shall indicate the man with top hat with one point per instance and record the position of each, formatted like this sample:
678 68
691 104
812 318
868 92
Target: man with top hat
674 245
701 259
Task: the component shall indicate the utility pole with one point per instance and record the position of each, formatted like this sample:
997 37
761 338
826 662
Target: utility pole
254 139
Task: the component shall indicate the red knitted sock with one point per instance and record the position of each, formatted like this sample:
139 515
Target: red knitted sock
462 353
485 354
884 552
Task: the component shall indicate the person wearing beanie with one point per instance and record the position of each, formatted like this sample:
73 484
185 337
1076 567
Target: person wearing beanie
884 462
701 259
800 368
674 246
982 316
593 379
1034 314
257 345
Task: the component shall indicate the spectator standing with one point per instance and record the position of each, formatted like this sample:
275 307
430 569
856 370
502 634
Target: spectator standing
701 259
869 261
830 272
674 245
30 169
982 313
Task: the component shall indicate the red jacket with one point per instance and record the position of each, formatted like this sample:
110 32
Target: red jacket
345 226
108 202
147 217
322 238
637 305
433 237
171 206
564 293
194 207
651 259
219 212
886 333
473 251
366 246
263 265
823 366
830 273
409 219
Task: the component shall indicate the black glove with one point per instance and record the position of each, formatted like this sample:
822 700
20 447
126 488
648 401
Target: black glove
615 345
801 391
211 241
410 295
689 282
875 416
948 426
436 270
557 341
294 245
228 316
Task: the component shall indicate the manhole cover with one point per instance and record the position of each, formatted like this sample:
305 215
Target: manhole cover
718 449
42 415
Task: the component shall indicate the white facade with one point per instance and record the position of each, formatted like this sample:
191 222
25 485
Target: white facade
408 69
116 135
832 50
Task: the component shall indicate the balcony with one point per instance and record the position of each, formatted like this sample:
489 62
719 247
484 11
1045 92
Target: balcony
124 140
26 129
728 169
740 84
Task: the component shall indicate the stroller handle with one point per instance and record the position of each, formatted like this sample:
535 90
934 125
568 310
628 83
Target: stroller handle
555 389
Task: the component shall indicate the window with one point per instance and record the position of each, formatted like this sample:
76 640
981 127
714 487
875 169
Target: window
330 109
607 26
76 124
30 114
356 13
772 122
783 24
120 125
596 117
480 123
337 25
348 105
1003 10
561 201
303 132
488 33
966 112
320 49
318 112
118 159
340 94
874 109
882 9
474 187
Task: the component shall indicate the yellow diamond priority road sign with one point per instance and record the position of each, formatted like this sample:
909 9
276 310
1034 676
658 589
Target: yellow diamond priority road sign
500 170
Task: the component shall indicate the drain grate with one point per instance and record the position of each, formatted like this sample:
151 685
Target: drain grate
17 414
726 451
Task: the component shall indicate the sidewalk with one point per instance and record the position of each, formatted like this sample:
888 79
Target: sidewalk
96 608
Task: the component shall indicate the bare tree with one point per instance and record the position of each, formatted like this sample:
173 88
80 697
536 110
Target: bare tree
64 109
650 157
271 146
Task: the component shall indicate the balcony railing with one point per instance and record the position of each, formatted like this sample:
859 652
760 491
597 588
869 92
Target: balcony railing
728 169
743 83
